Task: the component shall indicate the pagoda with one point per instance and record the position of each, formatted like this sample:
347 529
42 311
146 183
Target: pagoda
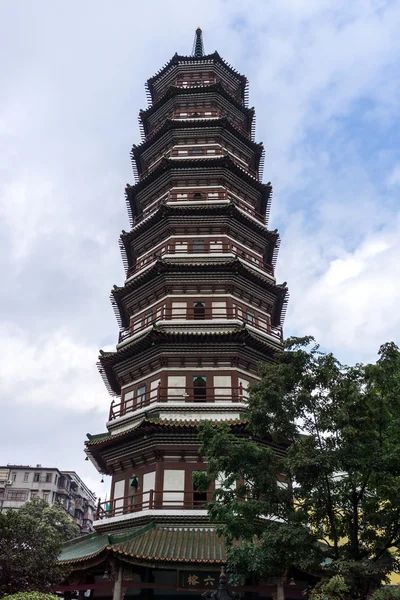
200 308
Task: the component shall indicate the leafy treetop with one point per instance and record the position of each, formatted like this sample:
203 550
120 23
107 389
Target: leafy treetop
333 503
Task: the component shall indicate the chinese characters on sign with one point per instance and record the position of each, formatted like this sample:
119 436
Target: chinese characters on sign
197 580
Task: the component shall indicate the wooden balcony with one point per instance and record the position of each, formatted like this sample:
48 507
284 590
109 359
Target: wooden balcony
192 316
200 196
153 499
228 248
177 394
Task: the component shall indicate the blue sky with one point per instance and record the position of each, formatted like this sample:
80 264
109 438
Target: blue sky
324 79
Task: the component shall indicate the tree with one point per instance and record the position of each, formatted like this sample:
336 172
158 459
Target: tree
30 543
339 512
54 516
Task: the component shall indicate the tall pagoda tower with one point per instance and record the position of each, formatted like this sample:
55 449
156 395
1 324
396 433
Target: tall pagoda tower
198 311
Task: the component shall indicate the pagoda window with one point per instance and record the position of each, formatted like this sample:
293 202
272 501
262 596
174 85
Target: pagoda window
176 387
213 195
182 151
222 388
208 113
118 497
219 309
216 246
197 195
128 401
211 151
199 388
178 310
154 390
174 487
141 396
199 310
250 317
198 246
181 196
195 114
199 496
197 151
181 247
148 319
243 384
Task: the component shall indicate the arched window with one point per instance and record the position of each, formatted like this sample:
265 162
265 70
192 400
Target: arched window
199 310
199 388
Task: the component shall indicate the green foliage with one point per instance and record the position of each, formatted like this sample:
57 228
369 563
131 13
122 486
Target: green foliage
30 543
334 588
387 592
31 596
340 508
55 516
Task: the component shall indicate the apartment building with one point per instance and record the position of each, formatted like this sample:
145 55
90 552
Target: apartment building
21 483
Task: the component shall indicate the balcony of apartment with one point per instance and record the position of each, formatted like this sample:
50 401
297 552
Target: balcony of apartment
198 317
192 252
191 197
178 396
153 500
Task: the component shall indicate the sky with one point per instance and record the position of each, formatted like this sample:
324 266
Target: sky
324 79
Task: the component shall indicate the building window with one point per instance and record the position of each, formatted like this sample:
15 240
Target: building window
250 316
199 310
36 477
26 477
49 477
20 495
13 476
46 496
199 497
199 388
198 245
141 395
56 480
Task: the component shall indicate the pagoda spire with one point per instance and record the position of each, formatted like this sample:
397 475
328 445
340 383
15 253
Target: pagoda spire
198 48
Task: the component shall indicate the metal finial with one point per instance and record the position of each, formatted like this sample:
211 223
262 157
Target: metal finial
198 48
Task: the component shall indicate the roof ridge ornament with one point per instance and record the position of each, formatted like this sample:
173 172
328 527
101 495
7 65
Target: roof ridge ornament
198 47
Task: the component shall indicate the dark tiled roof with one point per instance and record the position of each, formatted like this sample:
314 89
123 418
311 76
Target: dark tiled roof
195 164
215 57
170 124
104 438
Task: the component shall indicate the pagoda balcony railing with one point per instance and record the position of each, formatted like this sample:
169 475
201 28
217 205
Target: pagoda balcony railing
153 499
203 81
196 114
225 248
199 197
177 394
200 153
190 82
198 317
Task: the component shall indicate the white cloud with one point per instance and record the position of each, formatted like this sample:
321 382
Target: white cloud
52 372
351 307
